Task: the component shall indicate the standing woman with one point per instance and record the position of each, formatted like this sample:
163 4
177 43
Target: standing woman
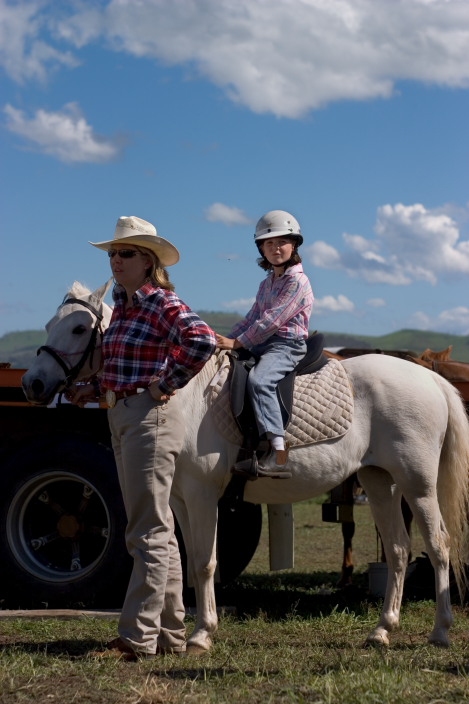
154 345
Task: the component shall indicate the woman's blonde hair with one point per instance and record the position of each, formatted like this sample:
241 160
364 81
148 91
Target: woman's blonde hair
156 272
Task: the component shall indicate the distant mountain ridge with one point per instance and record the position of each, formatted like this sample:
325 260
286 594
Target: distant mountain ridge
19 348
412 340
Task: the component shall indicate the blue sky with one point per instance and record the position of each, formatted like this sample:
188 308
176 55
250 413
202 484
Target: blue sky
201 115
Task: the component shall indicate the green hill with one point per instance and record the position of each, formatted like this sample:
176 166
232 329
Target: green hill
412 340
220 322
19 348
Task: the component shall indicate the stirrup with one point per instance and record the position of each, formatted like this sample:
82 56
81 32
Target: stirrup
247 468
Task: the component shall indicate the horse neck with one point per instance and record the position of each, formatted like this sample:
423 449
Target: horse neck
195 393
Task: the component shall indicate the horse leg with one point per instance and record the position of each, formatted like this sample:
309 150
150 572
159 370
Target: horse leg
348 531
343 494
407 516
385 504
200 505
437 541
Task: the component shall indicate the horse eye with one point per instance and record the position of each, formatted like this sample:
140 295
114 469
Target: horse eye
79 330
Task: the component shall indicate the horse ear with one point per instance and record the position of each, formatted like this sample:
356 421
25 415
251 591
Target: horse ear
100 292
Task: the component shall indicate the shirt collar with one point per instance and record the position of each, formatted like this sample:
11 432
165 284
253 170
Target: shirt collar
140 294
291 271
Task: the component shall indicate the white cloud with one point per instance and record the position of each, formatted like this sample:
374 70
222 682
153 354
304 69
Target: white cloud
24 53
420 321
412 244
323 255
424 239
454 321
359 243
65 134
240 305
228 215
285 57
82 28
376 302
330 304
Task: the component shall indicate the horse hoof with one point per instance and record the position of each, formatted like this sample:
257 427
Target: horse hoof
344 583
439 643
439 637
376 642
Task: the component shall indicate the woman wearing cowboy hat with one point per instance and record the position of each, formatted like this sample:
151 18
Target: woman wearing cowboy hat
154 345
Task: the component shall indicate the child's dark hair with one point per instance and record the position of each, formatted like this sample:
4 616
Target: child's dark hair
295 258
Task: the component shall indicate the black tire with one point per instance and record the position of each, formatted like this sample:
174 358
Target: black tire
239 530
62 525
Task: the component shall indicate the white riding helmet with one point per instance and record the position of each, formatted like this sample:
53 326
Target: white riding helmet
277 223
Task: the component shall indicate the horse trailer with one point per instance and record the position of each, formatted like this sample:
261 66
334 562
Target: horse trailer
62 520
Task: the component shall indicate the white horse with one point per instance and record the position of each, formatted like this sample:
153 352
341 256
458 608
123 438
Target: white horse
409 437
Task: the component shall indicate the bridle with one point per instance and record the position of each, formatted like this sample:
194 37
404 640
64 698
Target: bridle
71 373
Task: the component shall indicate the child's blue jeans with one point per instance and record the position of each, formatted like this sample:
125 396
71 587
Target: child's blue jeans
278 357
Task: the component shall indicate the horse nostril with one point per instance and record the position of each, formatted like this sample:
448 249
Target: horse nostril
37 387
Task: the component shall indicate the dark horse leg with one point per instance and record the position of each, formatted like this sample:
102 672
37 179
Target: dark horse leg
343 496
348 531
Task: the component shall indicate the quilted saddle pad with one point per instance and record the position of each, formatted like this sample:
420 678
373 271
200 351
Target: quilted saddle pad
322 406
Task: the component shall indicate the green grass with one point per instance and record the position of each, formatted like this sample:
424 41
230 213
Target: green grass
295 639
294 659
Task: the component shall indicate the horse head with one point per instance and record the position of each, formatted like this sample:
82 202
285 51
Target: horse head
73 347
429 355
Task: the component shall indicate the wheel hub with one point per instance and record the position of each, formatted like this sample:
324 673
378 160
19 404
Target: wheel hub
68 526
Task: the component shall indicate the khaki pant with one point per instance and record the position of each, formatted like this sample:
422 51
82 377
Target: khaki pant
146 439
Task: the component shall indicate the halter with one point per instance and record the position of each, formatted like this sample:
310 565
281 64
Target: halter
71 373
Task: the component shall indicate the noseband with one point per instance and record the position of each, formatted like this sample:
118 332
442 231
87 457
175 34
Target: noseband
71 373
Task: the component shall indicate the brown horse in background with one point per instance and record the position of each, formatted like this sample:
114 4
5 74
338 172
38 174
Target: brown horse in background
441 363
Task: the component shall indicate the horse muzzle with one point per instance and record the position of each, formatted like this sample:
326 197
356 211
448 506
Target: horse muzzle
38 392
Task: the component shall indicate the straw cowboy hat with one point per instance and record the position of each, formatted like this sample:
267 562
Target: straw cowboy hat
133 230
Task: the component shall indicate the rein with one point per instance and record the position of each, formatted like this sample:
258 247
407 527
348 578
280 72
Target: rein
71 373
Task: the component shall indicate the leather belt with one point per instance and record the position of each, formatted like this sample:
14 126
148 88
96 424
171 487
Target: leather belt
112 397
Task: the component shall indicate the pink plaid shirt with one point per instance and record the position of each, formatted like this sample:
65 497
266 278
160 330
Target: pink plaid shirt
283 307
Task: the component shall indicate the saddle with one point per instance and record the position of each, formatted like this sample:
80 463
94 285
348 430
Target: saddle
242 362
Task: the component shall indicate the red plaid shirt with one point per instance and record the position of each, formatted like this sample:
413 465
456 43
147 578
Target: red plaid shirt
160 337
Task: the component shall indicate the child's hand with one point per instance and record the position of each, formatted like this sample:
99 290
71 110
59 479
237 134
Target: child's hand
226 343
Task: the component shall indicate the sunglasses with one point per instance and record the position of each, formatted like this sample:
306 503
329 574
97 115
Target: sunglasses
123 253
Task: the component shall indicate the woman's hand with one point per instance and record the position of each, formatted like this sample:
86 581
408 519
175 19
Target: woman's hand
81 395
227 343
157 394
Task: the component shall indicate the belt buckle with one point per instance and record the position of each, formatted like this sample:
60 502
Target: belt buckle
111 398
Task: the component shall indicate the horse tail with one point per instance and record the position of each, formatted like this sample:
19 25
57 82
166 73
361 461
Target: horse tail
453 482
